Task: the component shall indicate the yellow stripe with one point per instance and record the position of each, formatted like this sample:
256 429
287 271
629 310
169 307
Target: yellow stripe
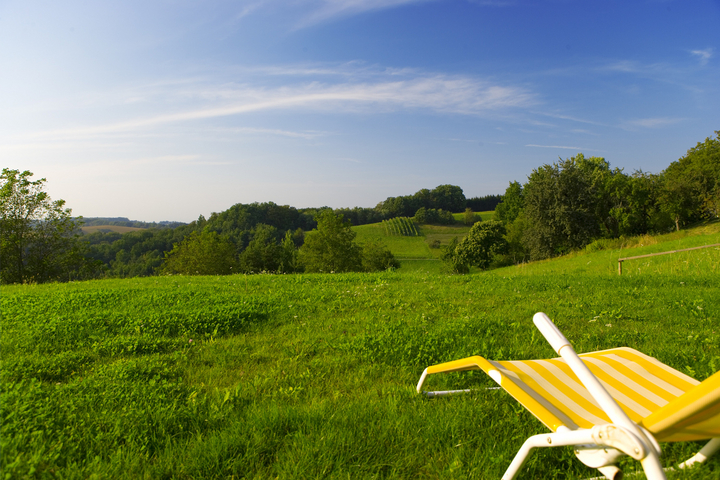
654 366
623 383
551 416
644 374
570 406
625 401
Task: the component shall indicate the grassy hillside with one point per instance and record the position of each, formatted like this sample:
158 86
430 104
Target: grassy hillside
309 376
415 253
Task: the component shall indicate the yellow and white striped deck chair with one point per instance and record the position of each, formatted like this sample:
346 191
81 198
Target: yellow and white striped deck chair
606 404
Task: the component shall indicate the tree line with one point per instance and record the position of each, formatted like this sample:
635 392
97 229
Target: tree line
562 206
574 202
40 241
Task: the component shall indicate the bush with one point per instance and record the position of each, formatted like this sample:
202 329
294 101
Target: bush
377 257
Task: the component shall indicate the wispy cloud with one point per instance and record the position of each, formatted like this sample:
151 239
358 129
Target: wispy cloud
329 9
652 122
435 93
577 149
703 55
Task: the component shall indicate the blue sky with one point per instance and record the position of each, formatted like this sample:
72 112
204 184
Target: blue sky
168 110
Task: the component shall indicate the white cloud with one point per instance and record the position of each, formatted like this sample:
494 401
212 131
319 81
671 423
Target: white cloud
653 122
329 9
577 149
435 93
703 55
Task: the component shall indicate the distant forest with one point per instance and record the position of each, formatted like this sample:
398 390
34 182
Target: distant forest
561 207
125 222
141 253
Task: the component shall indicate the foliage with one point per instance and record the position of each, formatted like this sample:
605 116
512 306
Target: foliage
305 376
484 242
433 216
470 217
692 184
442 197
331 247
512 203
376 257
204 253
483 204
38 236
453 261
560 207
263 253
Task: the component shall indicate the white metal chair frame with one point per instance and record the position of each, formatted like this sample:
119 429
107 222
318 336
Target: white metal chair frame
600 446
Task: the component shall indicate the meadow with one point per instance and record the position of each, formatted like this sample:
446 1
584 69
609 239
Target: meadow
313 376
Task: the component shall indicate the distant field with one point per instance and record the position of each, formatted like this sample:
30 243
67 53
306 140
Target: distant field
110 228
412 249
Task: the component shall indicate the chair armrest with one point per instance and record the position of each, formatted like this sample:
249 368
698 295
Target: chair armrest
563 347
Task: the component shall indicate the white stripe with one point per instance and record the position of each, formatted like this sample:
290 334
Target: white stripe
628 382
637 368
582 391
515 379
558 395
659 364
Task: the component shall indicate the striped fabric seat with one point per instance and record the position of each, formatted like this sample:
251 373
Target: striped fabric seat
625 403
642 386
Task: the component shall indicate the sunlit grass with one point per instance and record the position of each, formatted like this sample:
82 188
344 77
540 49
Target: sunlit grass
307 376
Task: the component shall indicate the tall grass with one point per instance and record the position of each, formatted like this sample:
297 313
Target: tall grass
309 376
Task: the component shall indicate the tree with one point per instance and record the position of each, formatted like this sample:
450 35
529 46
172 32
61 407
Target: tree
561 207
454 262
692 184
448 197
377 257
201 253
289 254
512 203
331 247
263 253
469 217
38 236
482 244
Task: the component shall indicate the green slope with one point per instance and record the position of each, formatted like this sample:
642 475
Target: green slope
312 376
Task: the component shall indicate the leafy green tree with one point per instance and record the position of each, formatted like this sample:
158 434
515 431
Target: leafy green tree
470 217
377 257
482 244
331 247
692 184
38 236
512 203
560 208
515 232
453 261
448 197
201 253
289 262
263 253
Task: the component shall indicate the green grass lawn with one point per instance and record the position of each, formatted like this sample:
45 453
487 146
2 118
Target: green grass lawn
313 376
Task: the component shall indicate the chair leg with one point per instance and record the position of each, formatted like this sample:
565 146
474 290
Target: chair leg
706 452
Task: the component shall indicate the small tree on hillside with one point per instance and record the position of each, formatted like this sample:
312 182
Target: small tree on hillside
376 257
263 253
452 259
470 217
483 243
203 253
331 247
38 236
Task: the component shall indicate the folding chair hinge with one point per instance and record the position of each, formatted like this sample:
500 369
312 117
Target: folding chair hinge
620 438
